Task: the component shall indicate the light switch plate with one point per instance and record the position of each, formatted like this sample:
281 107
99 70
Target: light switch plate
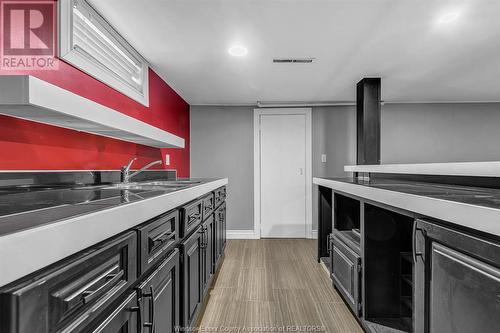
167 159
323 158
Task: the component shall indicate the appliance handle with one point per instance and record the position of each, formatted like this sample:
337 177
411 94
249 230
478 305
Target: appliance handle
329 244
414 242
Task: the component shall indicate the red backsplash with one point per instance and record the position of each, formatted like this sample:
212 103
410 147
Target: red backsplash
25 145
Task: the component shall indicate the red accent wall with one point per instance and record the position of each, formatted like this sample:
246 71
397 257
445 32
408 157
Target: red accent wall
26 145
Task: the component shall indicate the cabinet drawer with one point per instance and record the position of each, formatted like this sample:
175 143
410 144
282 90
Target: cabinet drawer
157 238
220 195
208 205
71 292
345 271
191 217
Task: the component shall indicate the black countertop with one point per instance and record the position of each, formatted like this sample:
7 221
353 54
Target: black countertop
477 196
25 207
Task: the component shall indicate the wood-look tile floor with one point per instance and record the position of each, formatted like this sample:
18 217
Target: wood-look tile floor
268 285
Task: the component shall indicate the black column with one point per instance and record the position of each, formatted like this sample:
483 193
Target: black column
368 121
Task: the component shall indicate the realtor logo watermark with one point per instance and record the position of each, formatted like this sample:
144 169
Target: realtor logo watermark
28 31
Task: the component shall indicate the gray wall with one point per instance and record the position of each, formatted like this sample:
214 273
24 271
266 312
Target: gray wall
416 133
222 146
222 143
334 134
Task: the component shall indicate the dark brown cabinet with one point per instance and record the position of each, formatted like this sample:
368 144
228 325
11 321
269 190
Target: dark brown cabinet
153 278
71 293
346 270
208 252
208 205
220 231
192 275
157 238
457 281
159 295
220 195
123 318
191 217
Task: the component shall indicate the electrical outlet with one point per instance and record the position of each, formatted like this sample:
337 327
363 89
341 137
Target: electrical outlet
167 159
323 158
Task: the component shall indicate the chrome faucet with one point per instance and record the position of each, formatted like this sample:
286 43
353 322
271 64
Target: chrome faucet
125 171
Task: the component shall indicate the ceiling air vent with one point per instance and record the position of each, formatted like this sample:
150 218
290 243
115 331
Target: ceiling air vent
294 60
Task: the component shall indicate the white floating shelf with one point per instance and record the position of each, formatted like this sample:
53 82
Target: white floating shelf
477 169
27 97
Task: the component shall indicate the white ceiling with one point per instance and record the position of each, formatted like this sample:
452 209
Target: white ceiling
418 58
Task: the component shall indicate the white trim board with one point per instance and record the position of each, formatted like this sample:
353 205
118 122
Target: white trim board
27 97
477 169
314 234
256 162
241 234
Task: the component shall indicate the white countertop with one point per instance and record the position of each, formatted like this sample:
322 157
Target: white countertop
24 252
477 169
472 216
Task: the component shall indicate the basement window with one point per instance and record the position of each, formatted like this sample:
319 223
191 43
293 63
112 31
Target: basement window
91 44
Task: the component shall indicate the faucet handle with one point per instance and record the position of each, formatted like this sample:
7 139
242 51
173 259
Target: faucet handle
129 165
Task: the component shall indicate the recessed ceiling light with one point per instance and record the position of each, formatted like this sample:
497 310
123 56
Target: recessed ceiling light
449 17
237 51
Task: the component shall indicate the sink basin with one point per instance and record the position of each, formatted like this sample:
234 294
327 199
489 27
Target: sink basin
159 185
139 186
173 183
164 183
187 181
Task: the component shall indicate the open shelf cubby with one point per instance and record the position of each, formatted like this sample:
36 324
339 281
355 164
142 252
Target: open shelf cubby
388 269
347 217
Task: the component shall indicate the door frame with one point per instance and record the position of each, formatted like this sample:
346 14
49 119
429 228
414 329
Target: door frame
257 113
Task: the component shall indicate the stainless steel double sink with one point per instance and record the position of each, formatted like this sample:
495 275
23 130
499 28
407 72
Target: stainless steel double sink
158 185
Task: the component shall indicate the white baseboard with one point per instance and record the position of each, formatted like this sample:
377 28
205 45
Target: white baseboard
241 234
250 234
314 234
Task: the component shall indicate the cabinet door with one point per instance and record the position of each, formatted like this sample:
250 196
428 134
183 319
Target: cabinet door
208 252
458 279
159 296
220 220
224 226
345 272
191 252
123 318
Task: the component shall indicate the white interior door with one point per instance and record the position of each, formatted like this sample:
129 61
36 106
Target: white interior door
283 175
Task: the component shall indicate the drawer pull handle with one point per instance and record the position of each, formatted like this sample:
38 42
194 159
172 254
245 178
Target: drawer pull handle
202 231
151 295
110 276
138 310
193 217
160 239
84 288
